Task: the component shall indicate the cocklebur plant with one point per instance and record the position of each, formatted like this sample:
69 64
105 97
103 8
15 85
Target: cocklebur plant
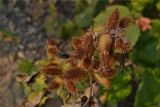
96 58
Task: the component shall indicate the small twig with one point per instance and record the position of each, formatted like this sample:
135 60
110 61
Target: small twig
68 97
122 61
134 65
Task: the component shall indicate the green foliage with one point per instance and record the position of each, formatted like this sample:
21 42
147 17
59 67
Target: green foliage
65 28
132 33
27 67
146 49
82 4
121 88
156 32
158 6
139 5
82 86
148 91
27 90
39 84
145 7
84 19
156 27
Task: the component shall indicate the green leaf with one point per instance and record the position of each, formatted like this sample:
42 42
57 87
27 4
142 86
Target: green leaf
81 5
84 19
156 28
26 66
50 23
146 48
8 36
7 33
120 89
123 92
68 29
27 90
41 63
32 95
158 6
148 93
102 17
139 5
132 34
82 86
158 45
36 87
39 83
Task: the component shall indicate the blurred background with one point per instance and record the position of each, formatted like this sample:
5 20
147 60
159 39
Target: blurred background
25 25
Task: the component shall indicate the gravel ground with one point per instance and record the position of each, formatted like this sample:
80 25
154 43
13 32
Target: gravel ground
24 20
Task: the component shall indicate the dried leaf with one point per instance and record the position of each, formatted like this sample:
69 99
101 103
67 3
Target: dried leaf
94 87
33 99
